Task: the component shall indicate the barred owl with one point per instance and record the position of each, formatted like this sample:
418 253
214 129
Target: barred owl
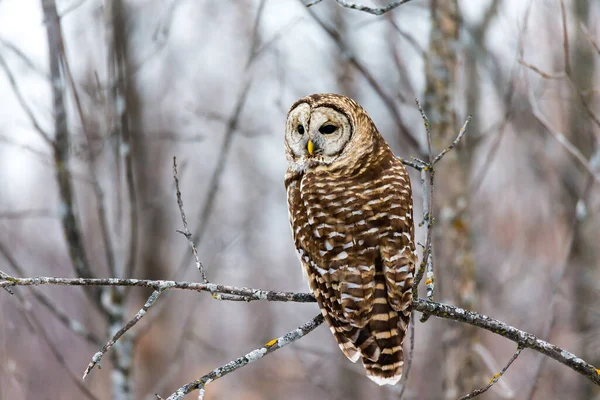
350 209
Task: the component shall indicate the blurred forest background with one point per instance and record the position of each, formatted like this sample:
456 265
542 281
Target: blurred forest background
96 97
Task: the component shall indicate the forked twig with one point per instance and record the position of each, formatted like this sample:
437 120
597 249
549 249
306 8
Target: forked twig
495 378
240 362
186 231
140 314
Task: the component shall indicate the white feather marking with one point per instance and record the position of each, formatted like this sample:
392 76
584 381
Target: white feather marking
351 285
334 234
403 268
395 257
324 225
353 298
341 256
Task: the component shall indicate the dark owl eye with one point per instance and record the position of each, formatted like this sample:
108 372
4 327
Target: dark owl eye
327 129
301 129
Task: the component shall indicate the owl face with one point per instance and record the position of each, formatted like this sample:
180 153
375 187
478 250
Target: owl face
316 135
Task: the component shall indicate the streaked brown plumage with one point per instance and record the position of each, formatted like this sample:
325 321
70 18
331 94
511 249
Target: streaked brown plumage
350 208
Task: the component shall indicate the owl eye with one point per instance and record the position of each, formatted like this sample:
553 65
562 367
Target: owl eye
327 129
301 129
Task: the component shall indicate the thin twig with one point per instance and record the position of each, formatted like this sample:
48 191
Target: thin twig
455 142
186 231
587 34
495 378
546 75
563 17
140 314
218 171
561 139
254 355
313 3
73 325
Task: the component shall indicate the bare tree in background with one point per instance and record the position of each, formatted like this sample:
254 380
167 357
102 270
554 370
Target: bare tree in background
89 126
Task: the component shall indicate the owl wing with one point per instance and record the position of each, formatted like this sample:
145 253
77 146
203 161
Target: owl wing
329 282
398 246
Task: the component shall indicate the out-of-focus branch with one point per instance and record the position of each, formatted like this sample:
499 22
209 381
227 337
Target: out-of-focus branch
70 323
98 192
561 139
24 214
254 355
40 329
22 102
23 57
385 98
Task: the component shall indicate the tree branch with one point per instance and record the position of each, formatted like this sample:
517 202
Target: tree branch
440 310
369 10
254 355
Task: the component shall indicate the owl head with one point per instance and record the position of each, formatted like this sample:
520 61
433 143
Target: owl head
328 131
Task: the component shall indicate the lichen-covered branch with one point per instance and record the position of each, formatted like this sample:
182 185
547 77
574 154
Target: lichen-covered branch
140 314
363 8
254 355
440 310
527 340
495 378
248 294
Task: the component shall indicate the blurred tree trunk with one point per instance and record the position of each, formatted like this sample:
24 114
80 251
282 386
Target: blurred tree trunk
455 269
584 255
140 161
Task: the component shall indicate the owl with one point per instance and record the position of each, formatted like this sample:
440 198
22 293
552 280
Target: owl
350 210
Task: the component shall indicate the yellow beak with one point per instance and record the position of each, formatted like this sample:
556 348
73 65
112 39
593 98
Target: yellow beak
310 147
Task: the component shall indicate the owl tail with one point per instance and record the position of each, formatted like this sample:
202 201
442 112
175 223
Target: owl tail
388 327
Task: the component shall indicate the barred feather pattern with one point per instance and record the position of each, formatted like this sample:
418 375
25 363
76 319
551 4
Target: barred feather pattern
354 233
